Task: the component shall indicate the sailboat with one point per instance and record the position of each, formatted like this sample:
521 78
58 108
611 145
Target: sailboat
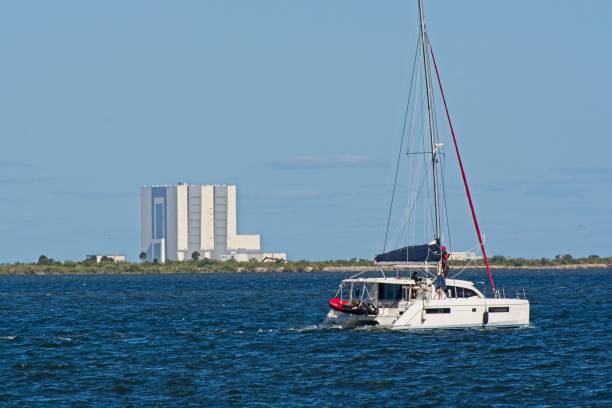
426 297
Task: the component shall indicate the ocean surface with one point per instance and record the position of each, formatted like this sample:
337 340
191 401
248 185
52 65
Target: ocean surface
254 339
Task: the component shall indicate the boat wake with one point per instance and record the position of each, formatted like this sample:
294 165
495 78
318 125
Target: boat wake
8 337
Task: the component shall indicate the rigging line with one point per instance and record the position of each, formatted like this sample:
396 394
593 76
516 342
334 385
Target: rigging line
412 123
427 200
415 166
443 168
426 126
462 270
410 212
401 235
439 155
415 124
399 154
465 183
469 262
427 208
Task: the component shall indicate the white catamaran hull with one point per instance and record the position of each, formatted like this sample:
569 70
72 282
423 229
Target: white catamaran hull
446 313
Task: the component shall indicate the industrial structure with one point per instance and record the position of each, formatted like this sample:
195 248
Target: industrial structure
184 221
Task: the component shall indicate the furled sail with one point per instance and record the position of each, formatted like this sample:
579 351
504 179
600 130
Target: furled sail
415 253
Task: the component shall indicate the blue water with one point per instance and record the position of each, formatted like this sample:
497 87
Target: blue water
252 339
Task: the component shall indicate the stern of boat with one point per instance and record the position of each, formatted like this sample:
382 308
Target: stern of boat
347 321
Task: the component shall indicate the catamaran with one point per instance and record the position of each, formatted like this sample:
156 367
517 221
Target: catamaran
426 297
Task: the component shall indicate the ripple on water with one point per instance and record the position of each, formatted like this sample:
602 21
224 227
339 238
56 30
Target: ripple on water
192 339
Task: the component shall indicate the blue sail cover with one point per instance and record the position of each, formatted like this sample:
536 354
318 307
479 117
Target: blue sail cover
415 253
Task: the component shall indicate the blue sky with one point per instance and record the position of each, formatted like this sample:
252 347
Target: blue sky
300 104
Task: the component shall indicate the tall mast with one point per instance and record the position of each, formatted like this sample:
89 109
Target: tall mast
432 133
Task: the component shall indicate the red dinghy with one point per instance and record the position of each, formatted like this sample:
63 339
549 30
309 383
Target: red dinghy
355 307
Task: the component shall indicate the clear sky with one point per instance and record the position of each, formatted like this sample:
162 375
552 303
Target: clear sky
300 104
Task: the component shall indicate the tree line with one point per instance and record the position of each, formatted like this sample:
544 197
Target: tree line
106 265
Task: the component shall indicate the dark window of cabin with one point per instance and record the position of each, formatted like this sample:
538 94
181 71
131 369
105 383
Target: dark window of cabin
388 291
465 292
437 310
499 309
468 293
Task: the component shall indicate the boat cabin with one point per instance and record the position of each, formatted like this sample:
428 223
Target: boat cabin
389 292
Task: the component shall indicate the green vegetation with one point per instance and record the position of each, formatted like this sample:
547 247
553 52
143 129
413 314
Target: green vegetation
48 266
565 260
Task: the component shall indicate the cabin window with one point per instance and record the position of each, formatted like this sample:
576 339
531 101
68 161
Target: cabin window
499 309
361 291
459 292
437 310
346 292
388 291
469 293
463 292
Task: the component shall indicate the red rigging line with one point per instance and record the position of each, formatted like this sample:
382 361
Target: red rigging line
465 183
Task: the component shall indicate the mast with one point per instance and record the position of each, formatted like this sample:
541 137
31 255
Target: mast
432 133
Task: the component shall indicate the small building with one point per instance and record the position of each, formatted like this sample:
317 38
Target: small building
107 258
464 256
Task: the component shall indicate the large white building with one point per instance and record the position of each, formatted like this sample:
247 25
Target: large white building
178 220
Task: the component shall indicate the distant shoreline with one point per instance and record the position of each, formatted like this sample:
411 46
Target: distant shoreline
493 267
190 267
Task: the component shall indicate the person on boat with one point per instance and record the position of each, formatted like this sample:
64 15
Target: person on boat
445 256
414 276
440 285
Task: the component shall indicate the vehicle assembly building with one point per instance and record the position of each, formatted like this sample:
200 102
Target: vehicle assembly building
180 220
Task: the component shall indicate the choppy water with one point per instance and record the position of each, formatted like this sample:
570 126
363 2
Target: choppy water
252 339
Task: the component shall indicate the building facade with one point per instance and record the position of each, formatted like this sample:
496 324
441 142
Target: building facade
465 256
178 220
